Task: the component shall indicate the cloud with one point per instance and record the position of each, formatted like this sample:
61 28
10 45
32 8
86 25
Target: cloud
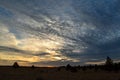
7 49
93 63
7 38
75 30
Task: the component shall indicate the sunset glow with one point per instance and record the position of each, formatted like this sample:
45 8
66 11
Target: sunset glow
58 32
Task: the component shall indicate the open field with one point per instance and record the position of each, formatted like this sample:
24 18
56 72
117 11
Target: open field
28 73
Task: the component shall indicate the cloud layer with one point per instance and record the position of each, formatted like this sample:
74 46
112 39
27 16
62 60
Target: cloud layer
59 31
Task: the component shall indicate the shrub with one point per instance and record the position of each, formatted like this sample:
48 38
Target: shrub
15 65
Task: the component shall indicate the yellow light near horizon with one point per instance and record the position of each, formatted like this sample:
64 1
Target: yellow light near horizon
35 45
18 57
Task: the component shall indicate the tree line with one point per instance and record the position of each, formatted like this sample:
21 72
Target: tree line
108 66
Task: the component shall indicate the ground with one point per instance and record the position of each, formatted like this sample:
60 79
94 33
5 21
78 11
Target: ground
29 73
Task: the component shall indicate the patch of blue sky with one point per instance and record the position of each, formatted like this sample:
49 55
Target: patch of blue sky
5 13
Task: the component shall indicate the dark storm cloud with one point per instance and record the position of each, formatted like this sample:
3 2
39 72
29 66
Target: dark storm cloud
91 26
15 50
105 12
10 49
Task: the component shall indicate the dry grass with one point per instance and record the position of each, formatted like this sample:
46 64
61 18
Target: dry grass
10 73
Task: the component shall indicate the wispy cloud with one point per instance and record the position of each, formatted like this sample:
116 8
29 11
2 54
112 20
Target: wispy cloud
75 30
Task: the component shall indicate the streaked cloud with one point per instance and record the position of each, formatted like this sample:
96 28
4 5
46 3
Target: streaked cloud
59 31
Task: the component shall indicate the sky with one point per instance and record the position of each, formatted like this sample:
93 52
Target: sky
59 32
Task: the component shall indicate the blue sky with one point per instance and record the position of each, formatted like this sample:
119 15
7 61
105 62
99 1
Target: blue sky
58 32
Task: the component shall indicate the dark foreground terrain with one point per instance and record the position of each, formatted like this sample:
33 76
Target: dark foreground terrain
28 73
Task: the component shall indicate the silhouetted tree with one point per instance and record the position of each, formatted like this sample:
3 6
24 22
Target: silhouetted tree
90 67
109 61
96 68
84 68
119 66
33 66
109 64
15 65
68 67
116 67
79 67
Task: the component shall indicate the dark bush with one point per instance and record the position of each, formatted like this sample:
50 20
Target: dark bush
15 65
68 67
96 68
84 68
33 66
